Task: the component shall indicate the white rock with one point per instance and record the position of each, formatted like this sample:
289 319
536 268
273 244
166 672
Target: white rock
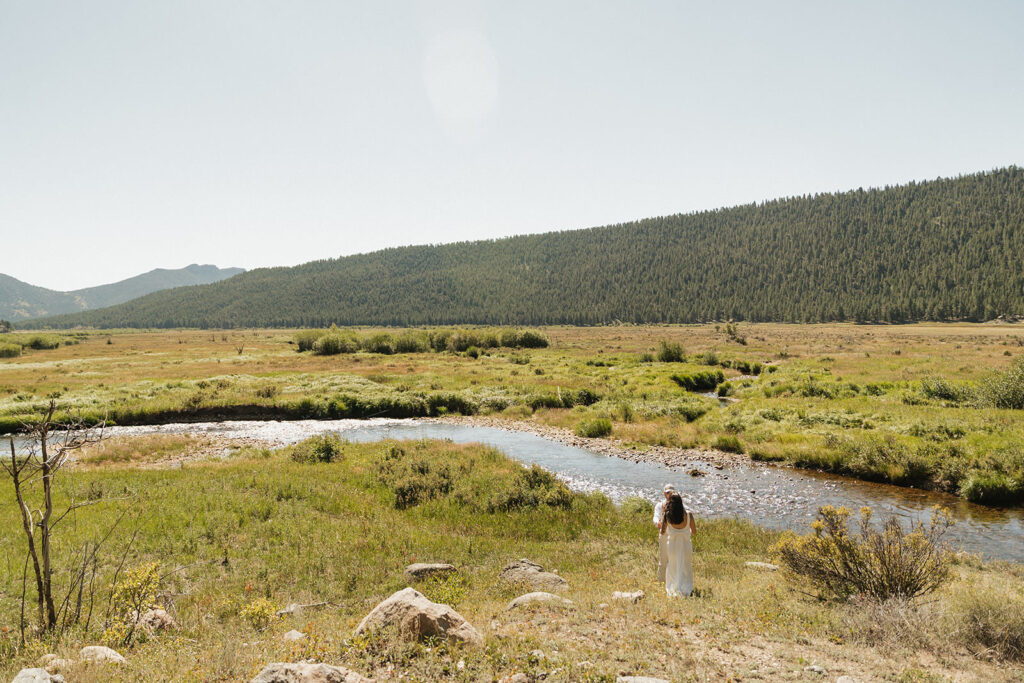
814 668
533 575
303 672
294 635
416 617
37 676
539 598
767 566
847 679
98 654
634 597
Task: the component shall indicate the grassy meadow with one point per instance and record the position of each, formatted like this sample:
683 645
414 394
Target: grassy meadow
235 539
907 405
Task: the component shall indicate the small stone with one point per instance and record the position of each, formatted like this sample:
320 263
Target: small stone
302 672
461 666
695 472
98 654
422 571
814 668
37 676
294 635
603 605
767 566
539 598
633 597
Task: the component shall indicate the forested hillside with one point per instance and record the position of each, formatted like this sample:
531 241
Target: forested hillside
949 249
20 300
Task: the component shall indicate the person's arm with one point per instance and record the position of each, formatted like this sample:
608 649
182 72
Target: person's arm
658 508
693 525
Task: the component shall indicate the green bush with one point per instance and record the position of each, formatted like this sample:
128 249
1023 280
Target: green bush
708 358
594 427
412 342
321 448
728 443
333 343
1004 389
669 352
992 620
10 350
305 339
379 343
691 411
41 342
724 389
419 481
531 339
942 389
705 380
473 352
530 488
991 488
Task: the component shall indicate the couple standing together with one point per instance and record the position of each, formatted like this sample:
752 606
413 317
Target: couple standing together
675 560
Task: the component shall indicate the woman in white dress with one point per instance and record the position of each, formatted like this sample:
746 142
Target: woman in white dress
677 526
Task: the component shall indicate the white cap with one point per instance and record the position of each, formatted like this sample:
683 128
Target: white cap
668 487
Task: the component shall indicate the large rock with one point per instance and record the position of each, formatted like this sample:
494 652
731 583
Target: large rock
539 598
422 571
157 620
415 617
37 676
98 654
533 575
308 673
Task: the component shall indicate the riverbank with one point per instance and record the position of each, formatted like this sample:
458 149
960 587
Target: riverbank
239 538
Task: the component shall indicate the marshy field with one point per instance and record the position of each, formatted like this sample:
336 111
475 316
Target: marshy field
223 534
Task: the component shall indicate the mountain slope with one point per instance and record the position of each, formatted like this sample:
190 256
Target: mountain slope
20 300
943 249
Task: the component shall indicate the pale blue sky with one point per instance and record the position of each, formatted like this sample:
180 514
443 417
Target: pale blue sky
143 134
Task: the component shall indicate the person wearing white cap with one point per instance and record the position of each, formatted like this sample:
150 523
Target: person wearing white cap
659 513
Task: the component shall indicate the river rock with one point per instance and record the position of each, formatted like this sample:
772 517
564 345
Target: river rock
98 654
539 598
302 672
767 566
422 571
294 635
634 597
415 617
37 676
533 575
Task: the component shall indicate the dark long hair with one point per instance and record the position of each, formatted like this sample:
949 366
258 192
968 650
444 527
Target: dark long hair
675 511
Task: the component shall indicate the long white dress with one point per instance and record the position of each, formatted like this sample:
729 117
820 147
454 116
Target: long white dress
679 549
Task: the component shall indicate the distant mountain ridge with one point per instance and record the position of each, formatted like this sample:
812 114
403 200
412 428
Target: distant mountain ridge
946 249
20 300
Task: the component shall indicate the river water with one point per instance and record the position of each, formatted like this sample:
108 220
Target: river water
771 496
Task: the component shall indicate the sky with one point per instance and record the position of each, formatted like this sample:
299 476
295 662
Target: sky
141 134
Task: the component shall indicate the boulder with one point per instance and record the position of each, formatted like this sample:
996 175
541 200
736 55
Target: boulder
767 566
533 575
157 620
37 676
634 597
54 664
302 672
294 635
415 617
539 598
422 571
98 654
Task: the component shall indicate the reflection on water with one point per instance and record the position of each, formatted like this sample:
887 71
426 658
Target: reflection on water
775 497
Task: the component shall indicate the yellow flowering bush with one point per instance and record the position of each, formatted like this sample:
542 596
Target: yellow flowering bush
880 560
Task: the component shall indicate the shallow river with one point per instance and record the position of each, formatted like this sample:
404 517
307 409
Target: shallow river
771 496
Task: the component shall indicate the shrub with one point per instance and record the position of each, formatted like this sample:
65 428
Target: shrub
708 358
646 357
882 563
333 343
305 339
419 481
41 342
379 343
691 411
448 590
412 342
1004 389
531 339
594 427
705 380
724 389
531 487
939 388
728 443
669 352
320 448
993 620
473 352
259 613
10 350
991 488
